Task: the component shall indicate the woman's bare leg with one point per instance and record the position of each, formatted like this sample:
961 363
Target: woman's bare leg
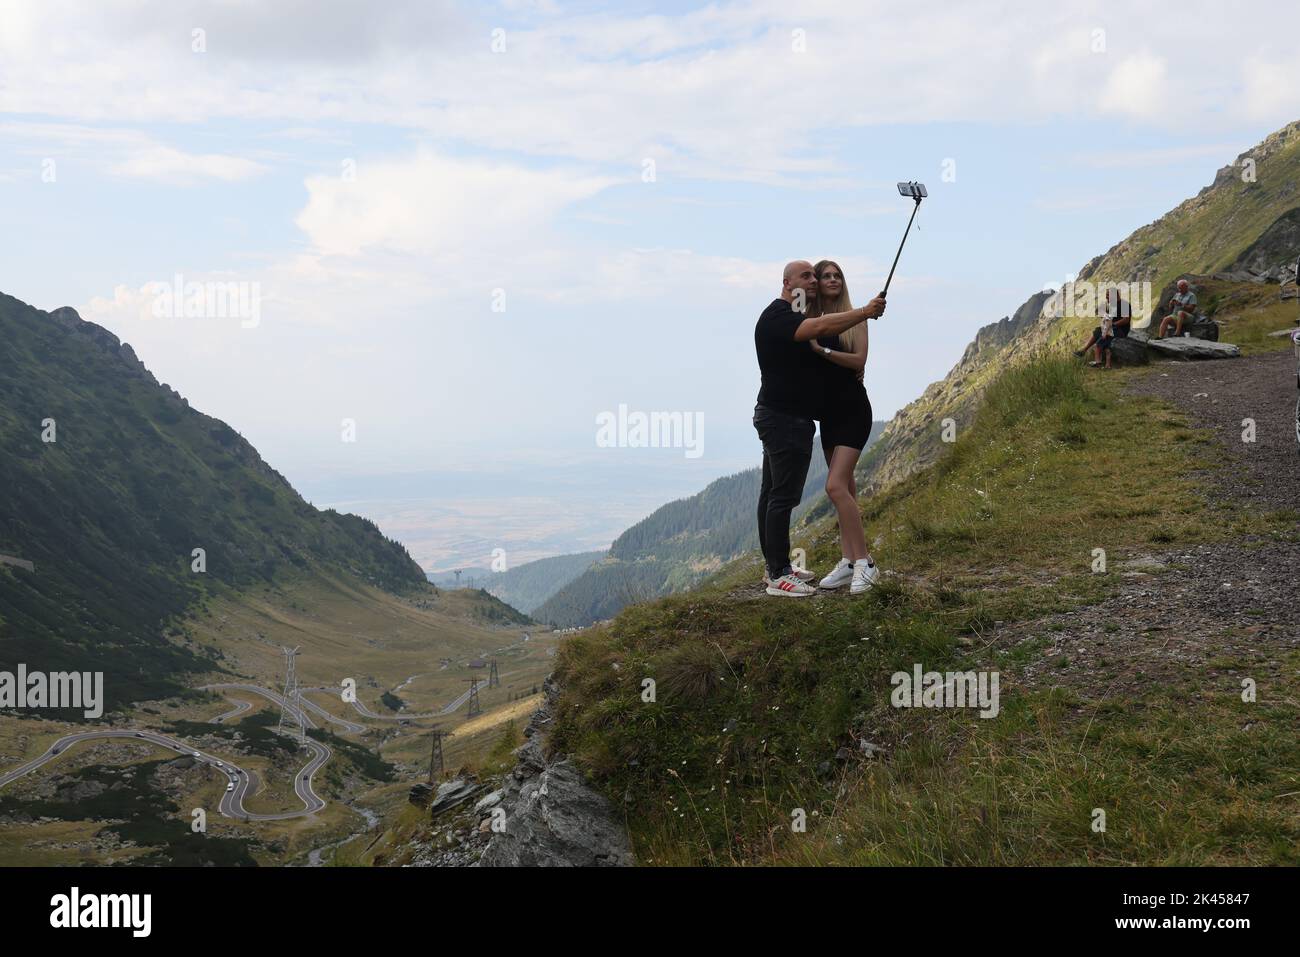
842 491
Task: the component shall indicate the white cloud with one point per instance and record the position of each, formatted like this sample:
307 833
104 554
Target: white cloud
165 164
435 205
1271 86
1134 159
126 153
1139 87
714 93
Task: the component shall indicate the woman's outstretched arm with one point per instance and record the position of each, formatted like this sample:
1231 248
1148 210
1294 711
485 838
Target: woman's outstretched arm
855 360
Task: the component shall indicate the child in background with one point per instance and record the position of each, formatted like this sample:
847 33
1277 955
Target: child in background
1107 335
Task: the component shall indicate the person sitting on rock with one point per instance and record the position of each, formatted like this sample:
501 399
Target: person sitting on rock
1183 304
1116 317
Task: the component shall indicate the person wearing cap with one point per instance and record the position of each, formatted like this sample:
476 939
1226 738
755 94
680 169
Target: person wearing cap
1183 304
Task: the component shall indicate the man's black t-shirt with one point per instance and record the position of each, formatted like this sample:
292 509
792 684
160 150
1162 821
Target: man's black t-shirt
794 379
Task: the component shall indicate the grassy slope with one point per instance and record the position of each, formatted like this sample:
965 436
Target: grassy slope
1202 235
1207 233
755 697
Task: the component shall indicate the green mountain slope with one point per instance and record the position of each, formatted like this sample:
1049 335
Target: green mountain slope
1246 218
528 585
111 511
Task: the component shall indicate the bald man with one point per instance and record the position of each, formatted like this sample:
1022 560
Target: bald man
1183 304
790 398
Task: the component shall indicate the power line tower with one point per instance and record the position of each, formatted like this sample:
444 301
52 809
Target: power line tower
435 755
474 708
291 698
494 679
458 578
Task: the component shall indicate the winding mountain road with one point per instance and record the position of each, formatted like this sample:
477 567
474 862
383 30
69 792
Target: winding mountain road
232 802
308 708
245 782
365 711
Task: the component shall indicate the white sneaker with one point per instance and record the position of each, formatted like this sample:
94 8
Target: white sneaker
843 572
865 574
803 574
788 586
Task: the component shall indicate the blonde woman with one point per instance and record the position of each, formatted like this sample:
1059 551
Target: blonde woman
845 428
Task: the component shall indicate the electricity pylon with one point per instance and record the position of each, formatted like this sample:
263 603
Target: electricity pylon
474 708
494 679
291 699
435 756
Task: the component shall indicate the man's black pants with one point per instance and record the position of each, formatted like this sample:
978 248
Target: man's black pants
787 452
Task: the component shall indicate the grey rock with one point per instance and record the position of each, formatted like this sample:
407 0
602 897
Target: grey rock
1237 275
419 794
996 335
452 794
1202 329
557 820
489 800
1272 257
1188 348
553 817
1129 351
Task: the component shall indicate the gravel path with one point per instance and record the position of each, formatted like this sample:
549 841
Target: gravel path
1206 614
1219 394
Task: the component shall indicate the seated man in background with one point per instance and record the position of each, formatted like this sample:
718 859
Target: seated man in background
1183 304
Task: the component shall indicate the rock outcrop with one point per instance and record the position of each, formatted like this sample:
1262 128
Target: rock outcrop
997 334
1189 348
553 818
1272 257
1129 351
1184 347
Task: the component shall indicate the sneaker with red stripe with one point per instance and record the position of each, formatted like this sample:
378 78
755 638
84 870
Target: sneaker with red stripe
789 586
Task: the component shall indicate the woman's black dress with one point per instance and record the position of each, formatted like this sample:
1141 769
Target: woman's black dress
846 419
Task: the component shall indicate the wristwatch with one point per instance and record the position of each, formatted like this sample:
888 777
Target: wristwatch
825 351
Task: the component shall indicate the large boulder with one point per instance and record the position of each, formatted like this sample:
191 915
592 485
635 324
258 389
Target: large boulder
452 794
420 794
1129 351
553 818
1189 348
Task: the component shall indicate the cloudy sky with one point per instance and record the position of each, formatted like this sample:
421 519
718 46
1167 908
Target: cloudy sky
471 228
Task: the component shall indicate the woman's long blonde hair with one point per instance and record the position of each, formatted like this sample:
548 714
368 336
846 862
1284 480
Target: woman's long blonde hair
842 303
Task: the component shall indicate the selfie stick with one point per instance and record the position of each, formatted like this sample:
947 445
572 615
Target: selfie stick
916 191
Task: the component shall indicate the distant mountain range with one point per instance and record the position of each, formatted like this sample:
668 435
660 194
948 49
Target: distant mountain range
525 586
